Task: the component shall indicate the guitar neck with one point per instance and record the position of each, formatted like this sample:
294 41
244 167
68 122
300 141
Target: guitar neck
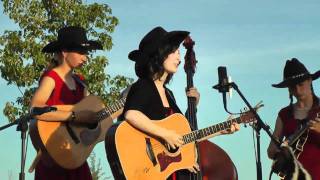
206 132
109 110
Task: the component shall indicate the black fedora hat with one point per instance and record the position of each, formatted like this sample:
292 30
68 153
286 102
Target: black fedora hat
153 40
295 72
72 38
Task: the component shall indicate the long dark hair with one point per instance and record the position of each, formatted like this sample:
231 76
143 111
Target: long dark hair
154 67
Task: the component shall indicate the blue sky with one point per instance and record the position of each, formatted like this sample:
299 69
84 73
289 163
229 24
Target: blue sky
252 39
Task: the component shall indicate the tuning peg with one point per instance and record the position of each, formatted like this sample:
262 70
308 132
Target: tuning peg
252 124
259 105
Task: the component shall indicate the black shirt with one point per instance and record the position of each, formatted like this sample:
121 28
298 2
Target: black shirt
144 97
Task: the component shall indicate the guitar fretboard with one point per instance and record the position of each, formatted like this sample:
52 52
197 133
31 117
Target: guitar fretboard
109 110
205 132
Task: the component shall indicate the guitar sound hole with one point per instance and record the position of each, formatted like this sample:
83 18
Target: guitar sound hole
167 146
92 126
172 150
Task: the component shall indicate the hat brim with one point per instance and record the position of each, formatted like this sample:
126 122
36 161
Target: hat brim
291 82
134 55
56 46
175 37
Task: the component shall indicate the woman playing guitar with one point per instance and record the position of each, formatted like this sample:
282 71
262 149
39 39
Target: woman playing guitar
58 86
298 80
156 60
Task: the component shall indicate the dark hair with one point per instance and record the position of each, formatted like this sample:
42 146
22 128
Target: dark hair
154 68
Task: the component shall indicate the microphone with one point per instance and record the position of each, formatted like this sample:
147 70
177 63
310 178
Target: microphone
223 86
41 110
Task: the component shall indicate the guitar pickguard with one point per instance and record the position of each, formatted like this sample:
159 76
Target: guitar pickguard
165 160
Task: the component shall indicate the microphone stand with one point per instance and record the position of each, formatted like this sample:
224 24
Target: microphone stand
22 126
260 124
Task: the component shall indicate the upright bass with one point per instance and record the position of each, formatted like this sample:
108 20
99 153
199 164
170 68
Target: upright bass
214 162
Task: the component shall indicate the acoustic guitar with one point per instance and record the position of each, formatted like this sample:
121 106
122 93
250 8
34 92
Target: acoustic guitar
69 144
133 154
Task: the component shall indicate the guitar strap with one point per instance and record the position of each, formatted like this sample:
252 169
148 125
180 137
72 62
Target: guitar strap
68 127
72 133
78 80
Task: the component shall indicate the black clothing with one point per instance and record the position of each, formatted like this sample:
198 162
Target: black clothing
144 97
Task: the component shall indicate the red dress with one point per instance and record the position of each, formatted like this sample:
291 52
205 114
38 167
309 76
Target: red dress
310 156
62 95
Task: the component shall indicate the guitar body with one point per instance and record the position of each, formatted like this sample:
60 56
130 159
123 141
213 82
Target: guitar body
133 154
54 139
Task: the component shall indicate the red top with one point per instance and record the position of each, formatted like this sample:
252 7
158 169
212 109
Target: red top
62 95
310 156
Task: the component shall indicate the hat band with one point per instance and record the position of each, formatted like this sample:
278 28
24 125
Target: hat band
85 44
295 76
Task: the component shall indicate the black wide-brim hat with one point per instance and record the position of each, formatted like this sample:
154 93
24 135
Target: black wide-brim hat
155 39
294 73
72 38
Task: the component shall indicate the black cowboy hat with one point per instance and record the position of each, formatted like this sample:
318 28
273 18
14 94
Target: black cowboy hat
72 38
295 72
153 40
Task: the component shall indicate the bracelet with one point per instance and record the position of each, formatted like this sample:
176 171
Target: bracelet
73 116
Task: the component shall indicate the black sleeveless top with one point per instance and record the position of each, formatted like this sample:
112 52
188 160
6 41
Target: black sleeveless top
144 97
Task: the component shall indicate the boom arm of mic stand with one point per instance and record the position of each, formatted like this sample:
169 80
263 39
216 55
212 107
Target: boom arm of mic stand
260 125
17 121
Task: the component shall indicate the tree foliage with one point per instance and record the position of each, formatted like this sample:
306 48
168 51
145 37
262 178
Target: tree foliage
95 168
21 59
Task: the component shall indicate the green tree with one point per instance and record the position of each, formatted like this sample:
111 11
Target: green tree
21 59
95 168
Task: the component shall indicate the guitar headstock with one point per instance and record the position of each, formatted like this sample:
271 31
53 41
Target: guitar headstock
248 116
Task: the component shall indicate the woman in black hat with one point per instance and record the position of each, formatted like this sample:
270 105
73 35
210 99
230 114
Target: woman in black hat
59 86
156 60
298 80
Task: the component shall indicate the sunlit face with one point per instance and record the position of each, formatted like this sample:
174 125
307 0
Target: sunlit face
75 59
172 62
301 90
